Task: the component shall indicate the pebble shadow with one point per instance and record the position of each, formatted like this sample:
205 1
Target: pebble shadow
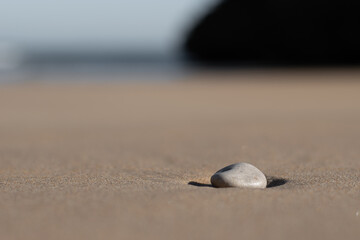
197 184
272 182
275 182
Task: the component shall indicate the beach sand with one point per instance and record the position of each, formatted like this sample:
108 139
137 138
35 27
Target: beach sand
114 160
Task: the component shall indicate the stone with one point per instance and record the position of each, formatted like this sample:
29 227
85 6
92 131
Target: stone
242 175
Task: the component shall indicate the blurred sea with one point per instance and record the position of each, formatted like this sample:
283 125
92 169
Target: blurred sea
52 67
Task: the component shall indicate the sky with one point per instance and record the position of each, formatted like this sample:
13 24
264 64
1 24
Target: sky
125 25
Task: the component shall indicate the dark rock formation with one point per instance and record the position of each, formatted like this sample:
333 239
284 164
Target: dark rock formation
279 31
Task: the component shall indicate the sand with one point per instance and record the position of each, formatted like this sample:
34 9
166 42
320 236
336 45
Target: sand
114 160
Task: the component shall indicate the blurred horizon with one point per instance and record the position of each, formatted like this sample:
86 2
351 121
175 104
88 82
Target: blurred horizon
50 32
